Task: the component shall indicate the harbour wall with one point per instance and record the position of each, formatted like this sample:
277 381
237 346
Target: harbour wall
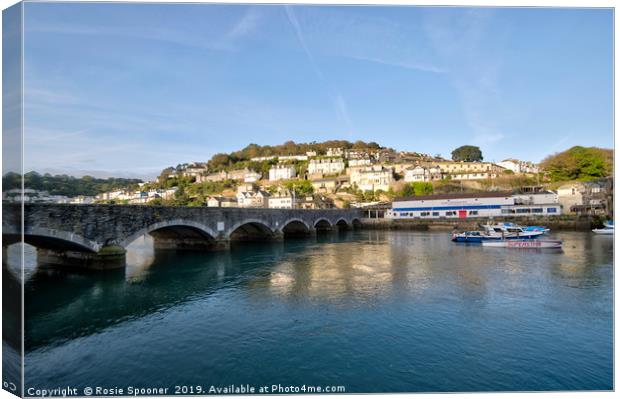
564 222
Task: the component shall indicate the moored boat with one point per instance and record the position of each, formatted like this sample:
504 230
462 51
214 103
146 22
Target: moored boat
607 230
512 227
511 231
523 244
472 236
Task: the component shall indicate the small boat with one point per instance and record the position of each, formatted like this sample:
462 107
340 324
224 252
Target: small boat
607 230
511 231
480 236
523 244
473 236
510 226
536 228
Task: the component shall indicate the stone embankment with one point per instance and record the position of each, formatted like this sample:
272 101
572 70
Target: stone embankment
565 222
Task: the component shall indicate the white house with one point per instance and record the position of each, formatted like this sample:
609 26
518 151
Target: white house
327 185
571 194
195 169
335 152
519 167
292 158
326 166
168 193
252 177
472 175
360 162
372 178
283 200
282 172
223 202
422 174
253 199
355 154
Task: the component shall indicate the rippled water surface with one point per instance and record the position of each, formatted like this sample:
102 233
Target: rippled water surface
369 310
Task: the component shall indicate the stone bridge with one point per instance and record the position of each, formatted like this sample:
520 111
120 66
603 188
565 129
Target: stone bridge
96 236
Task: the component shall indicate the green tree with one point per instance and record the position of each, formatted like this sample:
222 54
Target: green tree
417 189
467 153
579 163
300 187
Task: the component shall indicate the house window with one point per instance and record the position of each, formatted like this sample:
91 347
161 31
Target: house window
552 210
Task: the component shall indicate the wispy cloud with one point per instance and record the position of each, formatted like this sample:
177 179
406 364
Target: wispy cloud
226 41
474 68
373 39
246 25
401 64
337 98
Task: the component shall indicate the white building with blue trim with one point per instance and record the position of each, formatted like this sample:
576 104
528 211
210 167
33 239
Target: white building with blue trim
481 205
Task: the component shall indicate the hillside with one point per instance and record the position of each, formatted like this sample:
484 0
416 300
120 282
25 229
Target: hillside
67 185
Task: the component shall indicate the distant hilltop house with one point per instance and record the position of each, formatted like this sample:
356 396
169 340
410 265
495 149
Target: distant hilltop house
252 177
246 175
282 172
587 198
360 162
292 158
137 197
195 169
466 170
335 152
285 157
519 167
29 195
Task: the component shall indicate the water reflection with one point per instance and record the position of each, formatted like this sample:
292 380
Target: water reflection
440 303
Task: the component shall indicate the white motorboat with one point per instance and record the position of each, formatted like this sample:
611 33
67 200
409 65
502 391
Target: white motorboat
607 230
529 244
511 231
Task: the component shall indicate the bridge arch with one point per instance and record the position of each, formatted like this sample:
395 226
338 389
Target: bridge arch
323 224
41 237
356 223
342 224
173 229
295 227
250 230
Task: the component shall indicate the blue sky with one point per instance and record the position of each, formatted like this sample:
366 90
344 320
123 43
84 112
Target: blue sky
128 89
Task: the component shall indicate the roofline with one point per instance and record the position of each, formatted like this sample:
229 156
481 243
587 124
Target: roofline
496 194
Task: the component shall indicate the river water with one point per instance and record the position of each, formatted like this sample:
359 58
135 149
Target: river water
371 311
